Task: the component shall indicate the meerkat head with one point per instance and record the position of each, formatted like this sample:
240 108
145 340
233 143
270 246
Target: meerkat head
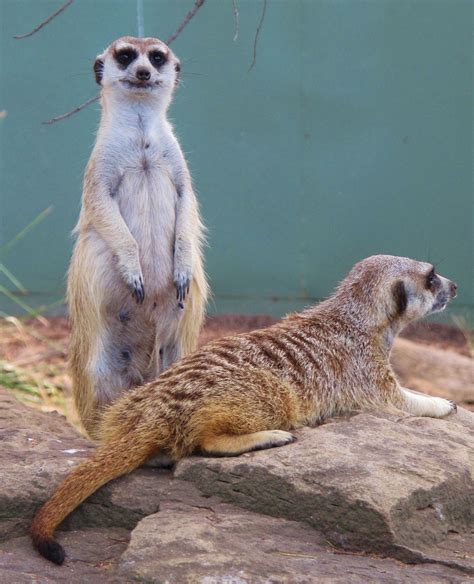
138 68
397 290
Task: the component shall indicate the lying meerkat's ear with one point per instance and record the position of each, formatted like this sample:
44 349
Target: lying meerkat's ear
99 69
400 297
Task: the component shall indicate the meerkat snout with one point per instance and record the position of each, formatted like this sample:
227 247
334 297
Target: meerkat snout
443 290
143 74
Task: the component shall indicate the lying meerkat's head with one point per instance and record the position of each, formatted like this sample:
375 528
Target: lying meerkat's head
138 67
398 290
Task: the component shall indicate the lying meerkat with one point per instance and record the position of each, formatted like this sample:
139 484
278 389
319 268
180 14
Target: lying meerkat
136 286
247 392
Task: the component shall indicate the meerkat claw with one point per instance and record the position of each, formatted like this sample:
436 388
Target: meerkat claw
137 289
182 283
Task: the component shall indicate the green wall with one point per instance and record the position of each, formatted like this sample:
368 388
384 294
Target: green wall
351 136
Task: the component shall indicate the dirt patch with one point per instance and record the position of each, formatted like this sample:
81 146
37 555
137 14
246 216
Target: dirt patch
443 336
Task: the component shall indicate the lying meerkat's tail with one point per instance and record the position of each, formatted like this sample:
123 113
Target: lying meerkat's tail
112 460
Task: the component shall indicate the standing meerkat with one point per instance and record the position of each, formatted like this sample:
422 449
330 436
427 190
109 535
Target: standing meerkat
136 286
246 392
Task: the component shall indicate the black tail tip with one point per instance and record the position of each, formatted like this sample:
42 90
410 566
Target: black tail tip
51 550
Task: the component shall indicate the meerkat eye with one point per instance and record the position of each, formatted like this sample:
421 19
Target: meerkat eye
431 279
125 56
157 58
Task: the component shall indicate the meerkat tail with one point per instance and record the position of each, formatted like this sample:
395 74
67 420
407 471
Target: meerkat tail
110 461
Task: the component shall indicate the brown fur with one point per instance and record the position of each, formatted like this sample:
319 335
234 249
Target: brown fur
246 392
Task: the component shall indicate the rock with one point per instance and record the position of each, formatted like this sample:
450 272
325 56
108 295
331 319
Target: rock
93 555
218 543
37 450
394 485
434 371
384 483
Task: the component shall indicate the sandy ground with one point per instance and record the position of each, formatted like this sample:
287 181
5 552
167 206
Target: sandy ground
33 353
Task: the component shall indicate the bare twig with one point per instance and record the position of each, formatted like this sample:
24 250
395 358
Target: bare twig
187 18
257 34
45 22
236 20
73 111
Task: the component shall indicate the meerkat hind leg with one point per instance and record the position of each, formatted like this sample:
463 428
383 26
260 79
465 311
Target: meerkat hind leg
235 444
424 405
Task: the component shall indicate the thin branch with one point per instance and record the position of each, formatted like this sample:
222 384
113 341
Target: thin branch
236 20
187 18
45 22
257 33
72 112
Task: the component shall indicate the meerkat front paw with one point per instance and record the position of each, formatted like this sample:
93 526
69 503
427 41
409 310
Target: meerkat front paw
136 287
182 281
425 405
442 407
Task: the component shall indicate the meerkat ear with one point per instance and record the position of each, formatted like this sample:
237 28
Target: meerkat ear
99 69
400 297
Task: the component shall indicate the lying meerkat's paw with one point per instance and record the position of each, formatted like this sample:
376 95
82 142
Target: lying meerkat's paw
442 407
454 407
279 437
424 405
235 444
272 439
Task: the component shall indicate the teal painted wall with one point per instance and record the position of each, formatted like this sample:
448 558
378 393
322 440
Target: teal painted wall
351 136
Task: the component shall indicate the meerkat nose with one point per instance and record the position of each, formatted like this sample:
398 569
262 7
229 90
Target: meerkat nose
453 289
143 74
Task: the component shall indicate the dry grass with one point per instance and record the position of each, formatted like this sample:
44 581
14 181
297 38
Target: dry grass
33 363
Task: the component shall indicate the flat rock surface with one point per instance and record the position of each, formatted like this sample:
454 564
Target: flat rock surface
383 483
222 544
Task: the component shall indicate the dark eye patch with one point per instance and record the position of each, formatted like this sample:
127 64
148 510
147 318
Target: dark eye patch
157 58
431 280
125 56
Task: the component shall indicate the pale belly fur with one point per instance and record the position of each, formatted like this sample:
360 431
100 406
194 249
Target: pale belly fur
147 201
